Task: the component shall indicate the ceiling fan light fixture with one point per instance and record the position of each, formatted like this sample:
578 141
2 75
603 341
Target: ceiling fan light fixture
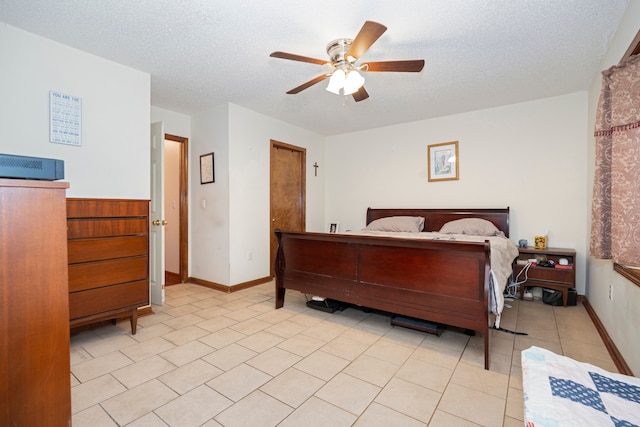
353 82
344 72
336 82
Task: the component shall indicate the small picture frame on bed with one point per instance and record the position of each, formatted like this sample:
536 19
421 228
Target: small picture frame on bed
443 161
333 227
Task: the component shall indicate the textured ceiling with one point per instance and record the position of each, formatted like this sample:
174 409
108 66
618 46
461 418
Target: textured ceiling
200 53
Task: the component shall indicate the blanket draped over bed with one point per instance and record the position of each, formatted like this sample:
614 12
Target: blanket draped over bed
438 277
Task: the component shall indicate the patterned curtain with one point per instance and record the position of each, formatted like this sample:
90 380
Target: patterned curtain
615 216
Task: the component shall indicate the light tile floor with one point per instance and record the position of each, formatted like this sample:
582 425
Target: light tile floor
208 358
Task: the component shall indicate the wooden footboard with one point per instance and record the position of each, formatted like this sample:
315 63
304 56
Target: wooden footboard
439 281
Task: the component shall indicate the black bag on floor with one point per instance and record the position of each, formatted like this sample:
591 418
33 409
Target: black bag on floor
552 297
555 297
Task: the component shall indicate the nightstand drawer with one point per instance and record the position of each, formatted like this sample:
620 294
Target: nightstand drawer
548 274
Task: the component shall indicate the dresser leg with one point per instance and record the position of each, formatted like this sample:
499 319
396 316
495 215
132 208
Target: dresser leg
134 321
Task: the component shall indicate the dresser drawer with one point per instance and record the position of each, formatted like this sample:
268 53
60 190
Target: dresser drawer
108 298
87 228
91 275
85 250
91 208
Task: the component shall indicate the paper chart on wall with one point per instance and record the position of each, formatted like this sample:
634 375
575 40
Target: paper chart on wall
65 119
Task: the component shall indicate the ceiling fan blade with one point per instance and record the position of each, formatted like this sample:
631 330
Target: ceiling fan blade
369 33
294 57
410 66
308 84
360 95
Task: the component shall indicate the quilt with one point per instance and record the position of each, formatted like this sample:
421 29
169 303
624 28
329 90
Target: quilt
560 391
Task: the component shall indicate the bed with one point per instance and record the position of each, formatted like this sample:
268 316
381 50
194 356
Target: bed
438 277
560 391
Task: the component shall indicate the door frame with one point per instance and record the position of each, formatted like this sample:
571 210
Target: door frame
184 204
302 194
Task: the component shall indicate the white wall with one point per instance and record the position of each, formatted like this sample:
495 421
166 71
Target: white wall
620 315
249 176
209 237
113 161
235 221
176 124
529 156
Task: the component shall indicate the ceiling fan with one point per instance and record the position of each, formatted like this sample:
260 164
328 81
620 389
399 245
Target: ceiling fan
344 76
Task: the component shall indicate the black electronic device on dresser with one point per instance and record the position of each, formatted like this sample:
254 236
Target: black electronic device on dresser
23 167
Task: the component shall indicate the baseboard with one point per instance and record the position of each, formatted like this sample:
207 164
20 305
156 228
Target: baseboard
615 354
229 289
171 278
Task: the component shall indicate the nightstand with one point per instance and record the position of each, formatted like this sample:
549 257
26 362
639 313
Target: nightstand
558 277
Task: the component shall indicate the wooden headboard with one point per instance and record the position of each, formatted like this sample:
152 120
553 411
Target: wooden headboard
434 219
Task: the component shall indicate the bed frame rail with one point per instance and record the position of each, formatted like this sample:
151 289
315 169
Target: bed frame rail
439 281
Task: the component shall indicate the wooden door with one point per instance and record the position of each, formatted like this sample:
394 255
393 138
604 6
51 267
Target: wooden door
288 200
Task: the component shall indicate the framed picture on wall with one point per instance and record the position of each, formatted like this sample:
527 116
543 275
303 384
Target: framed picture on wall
207 172
443 161
333 227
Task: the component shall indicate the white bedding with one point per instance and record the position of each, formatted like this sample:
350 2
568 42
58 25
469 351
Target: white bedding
559 391
503 252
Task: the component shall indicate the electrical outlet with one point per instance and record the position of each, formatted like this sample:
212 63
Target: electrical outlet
610 292
249 256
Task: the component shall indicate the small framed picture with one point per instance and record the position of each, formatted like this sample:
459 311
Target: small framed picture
207 172
443 161
334 227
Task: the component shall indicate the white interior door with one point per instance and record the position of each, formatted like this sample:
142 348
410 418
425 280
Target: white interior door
156 216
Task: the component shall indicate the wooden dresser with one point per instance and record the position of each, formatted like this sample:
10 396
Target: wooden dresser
108 244
35 387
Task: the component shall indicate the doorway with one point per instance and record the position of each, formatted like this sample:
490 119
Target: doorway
288 191
176 209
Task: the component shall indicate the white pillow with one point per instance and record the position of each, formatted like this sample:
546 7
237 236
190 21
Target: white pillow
473 226
412 224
